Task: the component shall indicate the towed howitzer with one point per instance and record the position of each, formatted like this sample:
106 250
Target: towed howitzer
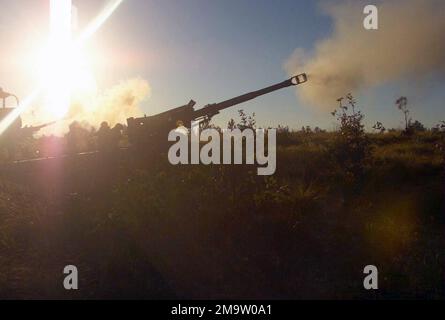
15 129
154 129
28 131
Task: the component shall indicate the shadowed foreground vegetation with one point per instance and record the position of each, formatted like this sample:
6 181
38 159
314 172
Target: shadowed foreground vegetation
158 231
139 228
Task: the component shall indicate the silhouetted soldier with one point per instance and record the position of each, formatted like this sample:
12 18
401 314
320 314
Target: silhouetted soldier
109 139
116 135
104 137
72 138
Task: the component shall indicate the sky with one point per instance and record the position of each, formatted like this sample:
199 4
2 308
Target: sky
207 51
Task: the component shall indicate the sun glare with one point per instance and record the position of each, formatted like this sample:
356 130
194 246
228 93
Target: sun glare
65 70
65 74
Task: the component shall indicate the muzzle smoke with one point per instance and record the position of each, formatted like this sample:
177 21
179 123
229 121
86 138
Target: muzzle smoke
114 106
410 42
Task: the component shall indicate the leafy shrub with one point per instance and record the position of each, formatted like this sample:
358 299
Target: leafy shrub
352 146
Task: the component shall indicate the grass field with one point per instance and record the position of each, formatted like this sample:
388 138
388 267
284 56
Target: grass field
158 231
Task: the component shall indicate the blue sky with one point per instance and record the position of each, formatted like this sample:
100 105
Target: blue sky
210 50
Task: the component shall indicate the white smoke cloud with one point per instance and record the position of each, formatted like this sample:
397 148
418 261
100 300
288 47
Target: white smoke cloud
410 42
114 106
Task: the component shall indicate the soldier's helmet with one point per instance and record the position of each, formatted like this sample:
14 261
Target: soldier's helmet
118 127
104 125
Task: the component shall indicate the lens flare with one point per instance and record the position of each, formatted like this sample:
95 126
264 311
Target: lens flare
15 113
99 20
57 65
65 67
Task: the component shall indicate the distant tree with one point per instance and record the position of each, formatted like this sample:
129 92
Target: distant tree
440 130
246 121
440 127
379 127
283 129
416 126
308 129
402 105
231 125
284 136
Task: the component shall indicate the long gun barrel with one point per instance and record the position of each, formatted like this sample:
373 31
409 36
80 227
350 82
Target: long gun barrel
154 129
213 109
29 131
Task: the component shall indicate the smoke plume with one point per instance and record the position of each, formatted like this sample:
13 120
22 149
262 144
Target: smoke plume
114 106
410 42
